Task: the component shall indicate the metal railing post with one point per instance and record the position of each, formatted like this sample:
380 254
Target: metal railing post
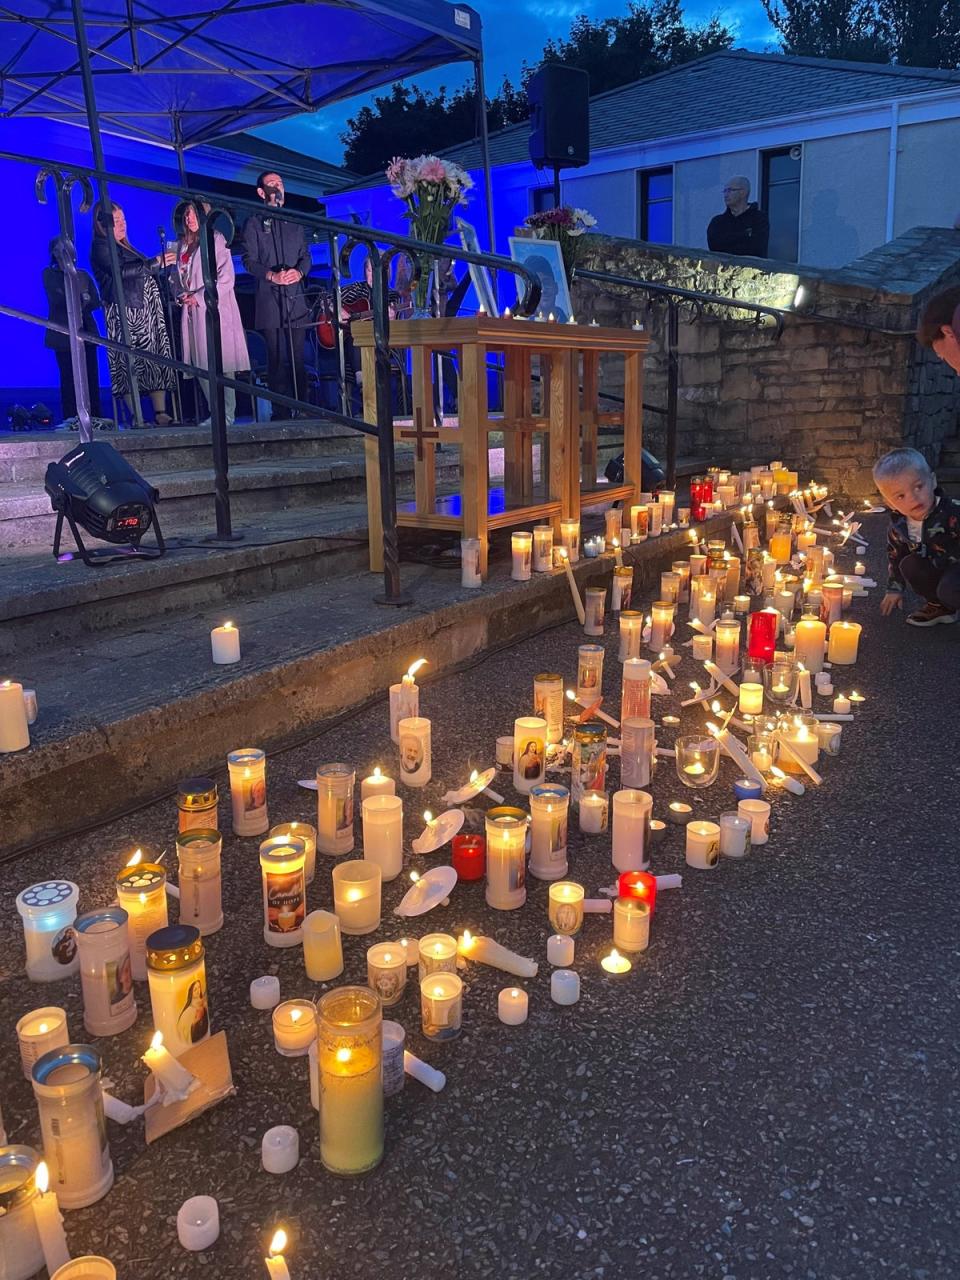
214 385
392 593
673 387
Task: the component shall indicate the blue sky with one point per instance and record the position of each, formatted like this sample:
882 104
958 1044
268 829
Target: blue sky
504 53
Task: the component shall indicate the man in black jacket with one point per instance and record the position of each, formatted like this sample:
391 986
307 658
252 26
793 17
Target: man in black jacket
743 228
275 253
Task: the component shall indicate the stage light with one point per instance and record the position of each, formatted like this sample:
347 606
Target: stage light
94 486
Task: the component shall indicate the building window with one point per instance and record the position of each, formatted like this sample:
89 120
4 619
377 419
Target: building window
542 199
656 205
780 197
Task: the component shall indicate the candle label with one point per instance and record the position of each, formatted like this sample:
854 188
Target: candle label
343 817
412 754
118 985
389 983
589 764
588 674
566 917
252 793
188 999
548 703
286 900
530 761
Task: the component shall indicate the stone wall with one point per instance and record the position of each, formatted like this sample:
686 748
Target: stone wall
828 397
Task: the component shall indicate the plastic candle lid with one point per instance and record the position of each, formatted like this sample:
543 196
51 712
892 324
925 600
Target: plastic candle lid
174 947
145 877
115 916
196 793
48 893
82 1057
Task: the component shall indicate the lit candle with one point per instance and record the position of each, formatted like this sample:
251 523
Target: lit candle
734 834
703 845
757 813
322 948
356 896
248 791
661 624
631 916
594 812
679 813
521 546
38 1032
377 784
565 907
762 640
383 833
512 1006
294 1028
283 883
225 644
276 1266
728 645
549 810
631 822
14 730
529 752
841 705
349 1061
387 971
173 1078
785 783
810 643
415 751
635 689
750 699
198 1223
560 950
441 1006
486 951
542 548
857 698
142 892
437 954
616 964
506 831
405 698
570 539
702 648
49 1220
844 641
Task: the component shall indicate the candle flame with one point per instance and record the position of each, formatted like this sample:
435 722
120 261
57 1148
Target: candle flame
694 686
415 667
137 857
377 773
616 542
427 816
713 728
415 876
42 1177
343 1055
438 991
563 553
296 1015
716 708
777 771
279 1241
228 626
514 993
474 776
43 1028
571 695
157 1041
387 956
467 939
614 954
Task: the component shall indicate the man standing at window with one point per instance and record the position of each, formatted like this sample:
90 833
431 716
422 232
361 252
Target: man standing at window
275 253
743 228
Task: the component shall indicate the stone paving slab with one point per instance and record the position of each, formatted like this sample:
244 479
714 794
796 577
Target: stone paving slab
770 1093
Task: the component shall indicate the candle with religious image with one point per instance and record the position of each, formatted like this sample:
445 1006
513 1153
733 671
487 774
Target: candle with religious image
631 634
47 911
106 974
529 752
247 767
589 673
66 1085
594 608
416 761
549 817
20 1246
637 744
548 703
335 787
565 907
570 539
727 638
661 624
622 591
282 860
470 575
387 971
655 516
506 831
588 769
542 548
177 977
635 689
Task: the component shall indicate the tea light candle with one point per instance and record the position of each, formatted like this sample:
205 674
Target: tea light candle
757 813
594 812
441 1006
377 784
38 1032
383 834
49 1221
703 845
294 1028
750 699
560 950
322 948
615 964
734 835
387 971
247 767
631 818
856 698
198 1223
225 644
565 907
280 1149
679 813
14 731
843 643
276 1265
702 648
469 857
356 896
747 788
415 751
841 705
265 992
512 1006
564 986
47 911
521 547
529 752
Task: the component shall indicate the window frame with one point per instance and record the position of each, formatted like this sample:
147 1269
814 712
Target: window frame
766 154
644 202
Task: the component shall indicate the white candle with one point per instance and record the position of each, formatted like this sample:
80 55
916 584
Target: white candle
335 791
280 1149
757 813
437 954
841 705
631 924
506 832
377 784
106 974
419 1070
810 643
441 1006
294 1028
734 835
572 582
542 548
703 845
415 751
804 689
549 812
655 518
512 1006
198 1223
470 575
248 791
387 971
594 812
631 634
529 752
66 1085
39 1032
565 907
265 991
170 1075
225 644
615 964
632 811
564 986
405 699
637 744
276 1265
48 910
560 950
49 1220
594 610
14 731
486 951
727 634
383 834
521 546
356 896
570 539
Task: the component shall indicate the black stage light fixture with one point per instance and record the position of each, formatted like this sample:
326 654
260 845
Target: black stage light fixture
94 486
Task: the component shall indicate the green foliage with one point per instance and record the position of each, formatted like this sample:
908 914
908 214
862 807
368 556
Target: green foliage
912 33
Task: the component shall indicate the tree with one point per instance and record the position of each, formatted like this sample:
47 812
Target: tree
652 36
912 33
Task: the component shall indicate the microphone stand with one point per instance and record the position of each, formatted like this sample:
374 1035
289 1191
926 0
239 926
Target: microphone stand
168 315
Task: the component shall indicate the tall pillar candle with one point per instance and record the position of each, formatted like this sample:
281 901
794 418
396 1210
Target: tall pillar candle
404 700
667 501
622 590
142 892
106 974
613 526
588 767
47 911
542 548
506 830
655 518
383 834
635 689
349 1062
284 886
199 879
570 539
698 565
844 642
247 767
177 975
549 817
589 673
416 761
631 829
66 1085
637 744
594 610
529 752
322 948
548 703
703 599
831 602
521 549
335 787
357 896
727 638
810 643
682 569
661 623
631 634
14 730
470 575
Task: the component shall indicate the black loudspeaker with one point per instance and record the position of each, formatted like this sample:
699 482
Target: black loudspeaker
559 100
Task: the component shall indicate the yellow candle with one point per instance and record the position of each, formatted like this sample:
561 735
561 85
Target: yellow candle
322 948
351 1092
780 547
751 699
844 641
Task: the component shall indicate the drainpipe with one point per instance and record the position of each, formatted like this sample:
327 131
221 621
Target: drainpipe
892 167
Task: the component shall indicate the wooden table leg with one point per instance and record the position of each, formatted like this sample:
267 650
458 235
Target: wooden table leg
425 458
564 475
473 426
371 458
633 421
513 390
589 422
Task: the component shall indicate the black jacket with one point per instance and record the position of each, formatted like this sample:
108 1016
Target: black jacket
746 234
271 243
939 539
134 269
55 288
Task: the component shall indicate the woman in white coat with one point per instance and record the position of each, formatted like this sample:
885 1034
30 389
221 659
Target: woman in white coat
233 341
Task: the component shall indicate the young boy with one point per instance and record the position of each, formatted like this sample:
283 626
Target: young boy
923 543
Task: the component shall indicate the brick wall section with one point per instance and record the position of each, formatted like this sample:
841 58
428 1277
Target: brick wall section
828 398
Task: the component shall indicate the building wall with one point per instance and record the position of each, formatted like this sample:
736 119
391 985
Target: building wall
843 197
698 192
610 197
928 176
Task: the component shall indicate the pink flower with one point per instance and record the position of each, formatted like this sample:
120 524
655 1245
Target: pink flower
432 169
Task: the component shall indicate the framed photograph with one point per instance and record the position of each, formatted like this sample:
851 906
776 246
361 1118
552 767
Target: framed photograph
544 259
479 275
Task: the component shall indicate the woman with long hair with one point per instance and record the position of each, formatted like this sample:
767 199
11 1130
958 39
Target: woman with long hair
144 311
233 342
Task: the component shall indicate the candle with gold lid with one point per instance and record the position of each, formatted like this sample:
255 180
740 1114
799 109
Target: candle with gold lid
197 803
176 969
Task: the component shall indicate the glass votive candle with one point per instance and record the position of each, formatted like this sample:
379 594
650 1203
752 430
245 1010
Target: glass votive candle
441 1006
780 681
322 947
282 861
828 738
38 1032
594 812
469 857
247 767
741 605
198 872
734 835
570 539
560 950
703 845
631 924
506 858
349 1068
106 975
549 810
698 760
356 896
437 954
727 638
387 971
48 910
757 812
760 750
294 1027
335 785
306 832
750 699
565 907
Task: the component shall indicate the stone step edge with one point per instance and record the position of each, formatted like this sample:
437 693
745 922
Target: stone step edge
289 702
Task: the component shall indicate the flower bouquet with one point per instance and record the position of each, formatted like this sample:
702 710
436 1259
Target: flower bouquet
431 188
566 225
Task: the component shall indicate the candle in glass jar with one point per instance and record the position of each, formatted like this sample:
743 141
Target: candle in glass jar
542 548
703 845
47 911
632 811
20 1245
415 751
631 924
383 834
565 907
594 812
282 861
655 519
781 547
441 1006
727 634
349 1062
322 948
810 643
667 501
549 811
225 644
594 609
198 871
529 752
247 767
635 689
106 974
377 784
661 624
356 896
750 700
506 831
38 1032
734 835
843 644
521 548
436 953
470 575
762 641
294 1027
570 539
757 813
66 1085
469 857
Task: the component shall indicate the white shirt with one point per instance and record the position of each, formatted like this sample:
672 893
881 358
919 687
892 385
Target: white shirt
915 530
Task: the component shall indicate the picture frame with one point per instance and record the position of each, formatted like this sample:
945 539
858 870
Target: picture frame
544 258
480 276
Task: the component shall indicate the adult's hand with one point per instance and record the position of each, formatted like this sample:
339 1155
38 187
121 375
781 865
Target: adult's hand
892 600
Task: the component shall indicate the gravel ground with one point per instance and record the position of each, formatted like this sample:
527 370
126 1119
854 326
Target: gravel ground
769 1093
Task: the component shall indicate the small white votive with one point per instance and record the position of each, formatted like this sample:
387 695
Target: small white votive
560 950
512 1006
265 992
198 1223
280 1149
564 986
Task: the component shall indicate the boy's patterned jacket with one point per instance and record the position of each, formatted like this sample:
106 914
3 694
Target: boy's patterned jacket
939 540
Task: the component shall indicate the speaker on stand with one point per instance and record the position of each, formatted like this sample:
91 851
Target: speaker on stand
559 98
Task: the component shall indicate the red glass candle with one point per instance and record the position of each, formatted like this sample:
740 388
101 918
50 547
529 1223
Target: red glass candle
469 857
763 635
701 494
641 886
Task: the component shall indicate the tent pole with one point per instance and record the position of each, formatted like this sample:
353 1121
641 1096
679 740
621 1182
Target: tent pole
485 150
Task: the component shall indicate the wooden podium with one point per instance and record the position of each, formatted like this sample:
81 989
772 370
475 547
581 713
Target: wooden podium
563 410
